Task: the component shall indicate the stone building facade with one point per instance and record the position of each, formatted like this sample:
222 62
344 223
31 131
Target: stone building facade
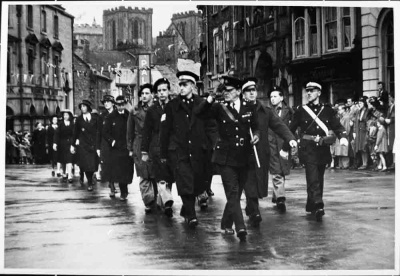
89 84
39 64
377 42
180 40
127 28
91 35
246 41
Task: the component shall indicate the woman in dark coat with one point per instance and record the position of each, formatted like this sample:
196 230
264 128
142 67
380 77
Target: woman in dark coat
39 144
63 136
52 154
86 141
119 164
360 129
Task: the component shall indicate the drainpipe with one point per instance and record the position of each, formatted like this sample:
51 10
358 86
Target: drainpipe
72 71
21 90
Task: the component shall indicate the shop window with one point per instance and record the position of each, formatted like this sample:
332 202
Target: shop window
330 24
299 37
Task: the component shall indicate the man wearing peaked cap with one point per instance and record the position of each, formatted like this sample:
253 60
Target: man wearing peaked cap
316 122
184 76
235 118
313 85
249 83
271 128
183 142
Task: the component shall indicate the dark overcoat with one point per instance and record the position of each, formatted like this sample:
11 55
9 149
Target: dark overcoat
278 165
310 151
53 156
39 146
118 165
63 137
233 146
184 142
151 143
89 135
268 121
134 136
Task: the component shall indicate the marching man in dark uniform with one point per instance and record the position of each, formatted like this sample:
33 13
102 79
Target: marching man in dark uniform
316 122
151 146
119 165
235 119
184 143
269 124
87 139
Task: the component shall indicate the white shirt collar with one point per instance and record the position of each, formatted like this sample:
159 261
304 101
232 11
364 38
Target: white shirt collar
237 104
87 116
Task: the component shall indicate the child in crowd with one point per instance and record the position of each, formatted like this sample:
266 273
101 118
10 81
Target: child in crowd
381 146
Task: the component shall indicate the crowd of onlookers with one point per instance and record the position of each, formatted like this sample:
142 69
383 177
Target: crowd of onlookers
26 147
371 127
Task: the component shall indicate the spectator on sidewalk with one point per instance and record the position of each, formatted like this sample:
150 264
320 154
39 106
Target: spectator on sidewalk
381 146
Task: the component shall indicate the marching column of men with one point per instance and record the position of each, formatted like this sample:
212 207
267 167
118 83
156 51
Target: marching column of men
184 138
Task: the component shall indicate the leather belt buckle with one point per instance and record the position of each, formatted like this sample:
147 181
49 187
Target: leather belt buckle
241 141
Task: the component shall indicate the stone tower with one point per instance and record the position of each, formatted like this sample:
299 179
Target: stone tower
127 28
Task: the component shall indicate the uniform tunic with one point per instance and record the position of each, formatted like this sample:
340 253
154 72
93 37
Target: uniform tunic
184 141
50 130
89 135
63 137
118 164
309 151
391 127
39 146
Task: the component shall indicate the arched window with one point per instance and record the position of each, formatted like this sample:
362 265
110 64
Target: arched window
55 26
135 29
43 21
29 16
46 111
299 36
388 52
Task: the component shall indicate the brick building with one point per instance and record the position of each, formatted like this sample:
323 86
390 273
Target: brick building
91 35
89 84
39 64
127 28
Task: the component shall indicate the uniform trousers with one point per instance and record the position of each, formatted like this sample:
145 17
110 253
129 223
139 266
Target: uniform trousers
315 185
278 186
187 210
233 179
123 188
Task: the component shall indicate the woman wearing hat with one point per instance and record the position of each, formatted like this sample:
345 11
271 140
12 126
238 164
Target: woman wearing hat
360 129
63 136
39 144
50 130
118 165
86 141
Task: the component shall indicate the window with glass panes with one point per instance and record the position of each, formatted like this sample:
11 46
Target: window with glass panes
331 28
299 36
31 61
346 27
389 57
29 16
43 21
313 31
56 26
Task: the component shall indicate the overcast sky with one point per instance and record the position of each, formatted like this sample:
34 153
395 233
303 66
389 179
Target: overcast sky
84 12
